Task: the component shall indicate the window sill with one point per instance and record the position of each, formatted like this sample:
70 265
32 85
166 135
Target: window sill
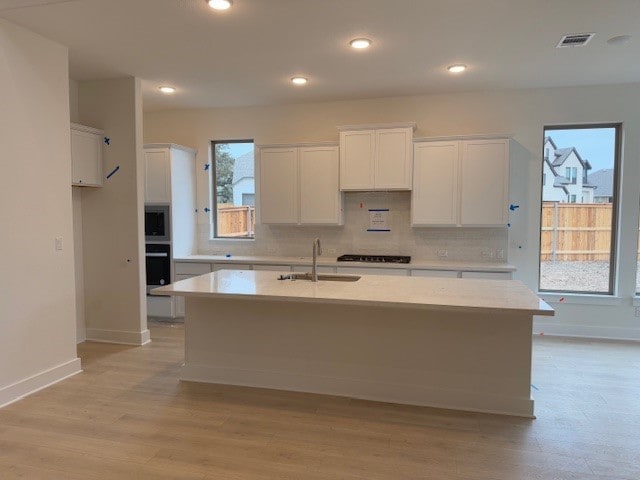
581 299
230 241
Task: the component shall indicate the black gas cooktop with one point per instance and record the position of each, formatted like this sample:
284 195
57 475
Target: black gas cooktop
374 258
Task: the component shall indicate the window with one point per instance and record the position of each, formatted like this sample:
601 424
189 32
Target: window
578 238
233 189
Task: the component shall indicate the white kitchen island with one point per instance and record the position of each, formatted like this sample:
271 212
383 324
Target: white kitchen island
452 343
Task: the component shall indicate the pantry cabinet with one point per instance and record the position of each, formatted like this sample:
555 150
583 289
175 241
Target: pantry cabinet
86 156
460 182
299 185
376 157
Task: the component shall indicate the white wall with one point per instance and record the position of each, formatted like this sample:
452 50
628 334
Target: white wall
37 319
113 236
523 113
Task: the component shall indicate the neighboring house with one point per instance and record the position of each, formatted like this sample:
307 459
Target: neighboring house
244 192
602 180
565 175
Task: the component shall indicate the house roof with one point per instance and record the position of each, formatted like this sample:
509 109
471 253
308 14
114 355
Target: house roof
561 155
603 182
243 167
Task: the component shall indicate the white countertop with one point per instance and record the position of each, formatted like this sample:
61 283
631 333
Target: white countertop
452 294
332 262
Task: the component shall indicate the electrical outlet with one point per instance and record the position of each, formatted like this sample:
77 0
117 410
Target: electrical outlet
500 254
442 253
59 243
637 311
271 250
487 253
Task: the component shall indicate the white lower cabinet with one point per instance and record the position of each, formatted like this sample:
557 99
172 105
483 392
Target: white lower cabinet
435 273
183 271
488 275
307 269
231 266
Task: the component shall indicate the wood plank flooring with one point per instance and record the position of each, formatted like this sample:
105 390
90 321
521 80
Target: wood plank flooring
128 417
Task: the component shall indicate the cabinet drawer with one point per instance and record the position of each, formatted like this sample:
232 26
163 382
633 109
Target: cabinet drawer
435 273
231 266
273 268
192 269
488 275
307 269
373 271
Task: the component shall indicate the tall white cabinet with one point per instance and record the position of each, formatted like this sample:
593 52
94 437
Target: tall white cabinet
170 179
376 157
86 156
299 184
460 182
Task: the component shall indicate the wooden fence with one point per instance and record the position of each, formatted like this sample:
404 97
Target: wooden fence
576 231
236 221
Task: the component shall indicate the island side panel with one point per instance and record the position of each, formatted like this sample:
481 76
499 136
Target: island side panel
466 361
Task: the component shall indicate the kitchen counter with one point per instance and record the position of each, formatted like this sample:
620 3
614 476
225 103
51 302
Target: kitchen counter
332 262
462 295
451 343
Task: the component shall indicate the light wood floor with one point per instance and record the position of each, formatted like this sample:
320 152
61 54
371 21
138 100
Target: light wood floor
127 417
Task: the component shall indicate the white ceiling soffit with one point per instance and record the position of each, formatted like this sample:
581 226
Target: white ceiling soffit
247 55
14 4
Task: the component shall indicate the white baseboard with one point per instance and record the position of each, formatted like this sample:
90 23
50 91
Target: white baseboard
361 389
29 385
118 336
585 331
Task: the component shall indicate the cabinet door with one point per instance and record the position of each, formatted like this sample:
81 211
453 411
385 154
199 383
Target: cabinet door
157 176
393 159
434 199
279 201
272 268
86 159
356 160
230 266
401 272
320 197
484 182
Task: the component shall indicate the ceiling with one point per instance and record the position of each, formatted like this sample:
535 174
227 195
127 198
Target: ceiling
247 55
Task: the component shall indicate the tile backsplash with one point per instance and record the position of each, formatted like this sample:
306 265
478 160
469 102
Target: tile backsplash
473 244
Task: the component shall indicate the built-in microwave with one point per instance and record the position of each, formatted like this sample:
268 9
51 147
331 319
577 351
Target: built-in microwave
157 223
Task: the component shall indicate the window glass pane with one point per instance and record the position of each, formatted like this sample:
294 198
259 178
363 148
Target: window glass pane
234 189
578 209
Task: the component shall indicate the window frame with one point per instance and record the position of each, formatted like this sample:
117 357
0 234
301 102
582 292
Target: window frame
615 208
214 188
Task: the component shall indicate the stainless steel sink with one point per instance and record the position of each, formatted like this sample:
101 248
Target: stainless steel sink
321 277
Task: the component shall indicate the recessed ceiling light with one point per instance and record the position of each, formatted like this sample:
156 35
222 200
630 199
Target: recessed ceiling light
457 68
360 43
298 80
167 89
220 4
619 39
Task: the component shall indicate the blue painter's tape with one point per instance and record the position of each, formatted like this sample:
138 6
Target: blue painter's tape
206 166
113 171
207 210
107 141
378 209
513 207
534 387
378 230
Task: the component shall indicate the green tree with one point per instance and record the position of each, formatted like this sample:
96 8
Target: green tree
224 173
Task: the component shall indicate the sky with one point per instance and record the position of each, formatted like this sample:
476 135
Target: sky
594 144
237 149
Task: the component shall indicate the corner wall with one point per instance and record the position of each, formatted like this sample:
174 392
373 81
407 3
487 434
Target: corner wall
112 228
37 287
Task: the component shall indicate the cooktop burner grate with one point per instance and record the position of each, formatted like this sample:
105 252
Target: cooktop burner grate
374 258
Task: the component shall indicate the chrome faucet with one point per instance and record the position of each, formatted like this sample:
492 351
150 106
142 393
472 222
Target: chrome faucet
317 250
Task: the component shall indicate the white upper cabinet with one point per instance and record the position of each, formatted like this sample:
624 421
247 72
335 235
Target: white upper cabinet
299 185
86 156
376 158
279 185
157 176
484 182
434 200
320 197
460 183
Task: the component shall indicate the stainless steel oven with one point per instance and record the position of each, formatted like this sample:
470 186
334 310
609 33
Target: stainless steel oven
158 258
157 223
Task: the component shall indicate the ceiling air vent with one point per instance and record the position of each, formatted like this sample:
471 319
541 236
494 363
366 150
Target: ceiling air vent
575 40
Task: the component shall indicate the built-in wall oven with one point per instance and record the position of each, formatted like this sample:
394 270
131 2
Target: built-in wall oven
158 258
157 223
